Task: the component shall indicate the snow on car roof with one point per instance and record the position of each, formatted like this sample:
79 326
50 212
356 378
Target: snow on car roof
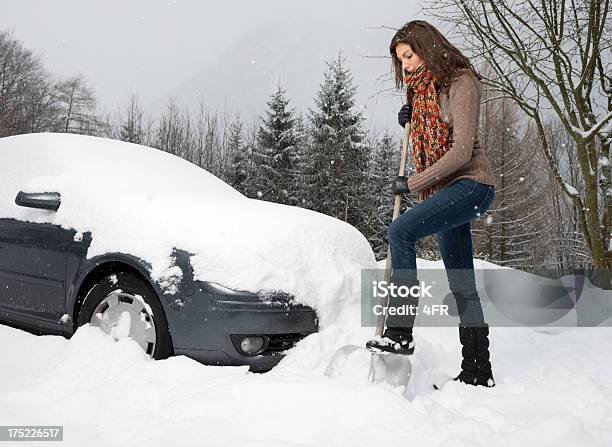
137 168
146 202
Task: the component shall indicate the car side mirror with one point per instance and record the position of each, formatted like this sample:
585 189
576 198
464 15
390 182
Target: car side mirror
43 200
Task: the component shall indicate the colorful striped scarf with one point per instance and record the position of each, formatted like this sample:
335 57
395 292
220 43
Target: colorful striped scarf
429 132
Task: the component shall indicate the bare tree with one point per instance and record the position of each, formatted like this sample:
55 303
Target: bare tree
207 139
134 125
77 104
553 58
513 227
27 97
564 238
172 134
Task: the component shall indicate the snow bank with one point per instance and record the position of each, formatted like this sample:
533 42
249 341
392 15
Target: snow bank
553 388
145 202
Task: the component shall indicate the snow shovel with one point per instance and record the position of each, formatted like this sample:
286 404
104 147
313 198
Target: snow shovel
394 369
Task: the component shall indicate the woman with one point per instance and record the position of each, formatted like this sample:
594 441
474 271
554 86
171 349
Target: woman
454 183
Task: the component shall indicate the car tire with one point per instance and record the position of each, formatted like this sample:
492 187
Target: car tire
118 301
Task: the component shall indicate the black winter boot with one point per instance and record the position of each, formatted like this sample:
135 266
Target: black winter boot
397 338
394 341
475 367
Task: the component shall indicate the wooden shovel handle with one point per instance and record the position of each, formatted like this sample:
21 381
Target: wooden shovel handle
380 320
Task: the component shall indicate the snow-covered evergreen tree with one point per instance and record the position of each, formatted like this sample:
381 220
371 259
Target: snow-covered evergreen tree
385 165
236 174
275 156
338 160
299 188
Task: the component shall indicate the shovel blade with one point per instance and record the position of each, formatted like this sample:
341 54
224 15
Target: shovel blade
351 361
347 361
394 369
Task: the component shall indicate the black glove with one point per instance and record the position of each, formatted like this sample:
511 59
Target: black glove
400 185
404 115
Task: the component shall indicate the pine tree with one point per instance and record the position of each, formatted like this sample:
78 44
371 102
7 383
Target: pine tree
299 189
338 168
275 156
386 158
236 173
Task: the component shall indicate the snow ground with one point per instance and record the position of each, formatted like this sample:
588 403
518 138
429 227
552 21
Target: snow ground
554 387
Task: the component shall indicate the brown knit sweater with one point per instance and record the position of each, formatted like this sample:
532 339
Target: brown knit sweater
466 158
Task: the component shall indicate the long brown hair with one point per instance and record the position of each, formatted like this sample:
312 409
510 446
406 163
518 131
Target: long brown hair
441 57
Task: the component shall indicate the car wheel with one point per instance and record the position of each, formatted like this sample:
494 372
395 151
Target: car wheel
124 305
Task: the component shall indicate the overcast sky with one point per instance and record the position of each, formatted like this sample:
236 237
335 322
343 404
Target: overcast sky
231 53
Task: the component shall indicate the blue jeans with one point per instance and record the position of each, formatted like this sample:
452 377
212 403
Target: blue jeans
448 214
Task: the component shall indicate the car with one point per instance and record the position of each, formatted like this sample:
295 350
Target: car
146 245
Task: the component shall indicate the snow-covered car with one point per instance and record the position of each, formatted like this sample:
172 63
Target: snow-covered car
146 245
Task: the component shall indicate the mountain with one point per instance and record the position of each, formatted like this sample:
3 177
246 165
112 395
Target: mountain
243 76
